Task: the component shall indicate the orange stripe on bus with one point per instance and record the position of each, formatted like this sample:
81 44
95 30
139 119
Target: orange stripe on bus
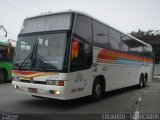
113 55
24 72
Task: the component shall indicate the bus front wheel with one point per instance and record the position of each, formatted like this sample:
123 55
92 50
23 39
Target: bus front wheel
3 76
96 91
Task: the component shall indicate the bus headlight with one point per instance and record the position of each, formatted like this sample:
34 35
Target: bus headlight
55 82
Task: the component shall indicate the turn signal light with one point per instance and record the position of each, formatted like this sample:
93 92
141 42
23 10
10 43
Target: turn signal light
61 83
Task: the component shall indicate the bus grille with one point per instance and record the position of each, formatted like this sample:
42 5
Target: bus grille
39 82
22 80
36 82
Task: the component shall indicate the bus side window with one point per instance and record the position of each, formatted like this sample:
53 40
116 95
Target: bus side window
4 57
81 55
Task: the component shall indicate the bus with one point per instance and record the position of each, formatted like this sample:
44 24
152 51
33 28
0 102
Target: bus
6 57
70 54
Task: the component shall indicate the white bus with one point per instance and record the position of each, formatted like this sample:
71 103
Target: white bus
70 54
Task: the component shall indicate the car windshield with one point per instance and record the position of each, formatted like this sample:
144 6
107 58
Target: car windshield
43 52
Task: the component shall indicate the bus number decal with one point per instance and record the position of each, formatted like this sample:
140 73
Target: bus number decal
79 78
77 89
104 69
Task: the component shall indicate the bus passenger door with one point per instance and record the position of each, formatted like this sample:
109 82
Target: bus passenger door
80 76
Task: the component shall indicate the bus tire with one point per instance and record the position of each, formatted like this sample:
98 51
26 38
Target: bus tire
145 80
97 90
3 76
141 82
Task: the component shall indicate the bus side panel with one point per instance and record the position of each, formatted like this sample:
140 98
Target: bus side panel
120 76
118 68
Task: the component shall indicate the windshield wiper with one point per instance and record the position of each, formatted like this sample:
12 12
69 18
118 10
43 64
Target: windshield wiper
31 57
16 65
45 63
25 61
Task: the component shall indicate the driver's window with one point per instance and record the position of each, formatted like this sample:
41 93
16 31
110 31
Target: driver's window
81 54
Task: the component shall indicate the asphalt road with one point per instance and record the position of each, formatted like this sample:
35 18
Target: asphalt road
127 100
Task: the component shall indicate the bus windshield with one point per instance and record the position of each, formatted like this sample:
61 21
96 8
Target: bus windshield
41 52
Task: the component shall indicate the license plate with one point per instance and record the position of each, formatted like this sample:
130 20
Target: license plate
33 90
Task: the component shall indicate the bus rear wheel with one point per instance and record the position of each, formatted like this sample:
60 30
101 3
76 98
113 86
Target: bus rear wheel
142 82
96 91
3 76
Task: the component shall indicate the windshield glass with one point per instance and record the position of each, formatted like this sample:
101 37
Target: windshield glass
42 52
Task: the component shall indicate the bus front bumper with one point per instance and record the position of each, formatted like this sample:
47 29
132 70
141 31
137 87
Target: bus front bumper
48 91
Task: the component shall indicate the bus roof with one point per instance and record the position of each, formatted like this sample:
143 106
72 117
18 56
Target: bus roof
82 13
50 14
4 41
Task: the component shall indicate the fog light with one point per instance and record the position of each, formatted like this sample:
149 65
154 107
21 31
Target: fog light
57 92
16 87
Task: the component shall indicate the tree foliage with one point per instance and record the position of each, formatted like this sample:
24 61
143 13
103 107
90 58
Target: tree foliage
149 33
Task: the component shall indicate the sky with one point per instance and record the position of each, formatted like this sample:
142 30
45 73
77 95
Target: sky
125 15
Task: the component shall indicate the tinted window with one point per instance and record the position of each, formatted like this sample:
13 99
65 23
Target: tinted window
47 23
133 46
114 39
3 54
100 34
136 47
125 43
140 50
83 27
3 49
148 51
